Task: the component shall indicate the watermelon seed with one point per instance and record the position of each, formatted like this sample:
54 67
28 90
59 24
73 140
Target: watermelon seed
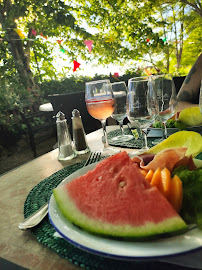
122 184
99 178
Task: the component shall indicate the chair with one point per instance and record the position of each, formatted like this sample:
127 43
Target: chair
66 103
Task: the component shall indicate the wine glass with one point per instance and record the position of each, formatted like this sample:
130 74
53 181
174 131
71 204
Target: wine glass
142 106
100 105
120 96
167 99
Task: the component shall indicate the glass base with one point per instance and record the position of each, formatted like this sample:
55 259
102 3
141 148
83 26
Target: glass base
81 152
109 151
123 138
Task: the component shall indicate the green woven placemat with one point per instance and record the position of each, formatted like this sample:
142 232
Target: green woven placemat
134 143
44 232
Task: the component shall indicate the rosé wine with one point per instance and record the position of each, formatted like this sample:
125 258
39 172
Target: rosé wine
100 109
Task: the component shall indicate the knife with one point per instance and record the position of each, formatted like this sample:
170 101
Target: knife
35 218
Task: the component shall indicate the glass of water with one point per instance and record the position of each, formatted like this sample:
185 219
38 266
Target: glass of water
120 92
142 106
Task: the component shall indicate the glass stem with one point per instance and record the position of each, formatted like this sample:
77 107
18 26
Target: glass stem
144 138
165 133
106 144
121 127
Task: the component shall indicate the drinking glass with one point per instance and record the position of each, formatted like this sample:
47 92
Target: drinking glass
100 105
142 106
167 99
120 96
200 98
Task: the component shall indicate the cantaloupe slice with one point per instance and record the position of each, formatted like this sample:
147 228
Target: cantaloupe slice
149 175
165 182
143 172
176 193
156 179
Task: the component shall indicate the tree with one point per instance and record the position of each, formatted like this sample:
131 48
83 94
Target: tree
119 29
50 18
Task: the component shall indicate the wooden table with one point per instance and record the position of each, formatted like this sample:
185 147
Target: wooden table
21 247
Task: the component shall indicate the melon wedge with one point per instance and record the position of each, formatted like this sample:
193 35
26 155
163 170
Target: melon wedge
191 116
190 139
115 199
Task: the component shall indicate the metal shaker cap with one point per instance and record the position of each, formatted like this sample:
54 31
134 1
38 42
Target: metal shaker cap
75 113
60 116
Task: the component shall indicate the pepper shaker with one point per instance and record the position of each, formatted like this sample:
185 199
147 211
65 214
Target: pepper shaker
65 145
79 136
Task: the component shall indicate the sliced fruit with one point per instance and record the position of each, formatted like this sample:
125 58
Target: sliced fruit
190 139
165 181
109 200
156 179
176 193
191 116
149 175
143 172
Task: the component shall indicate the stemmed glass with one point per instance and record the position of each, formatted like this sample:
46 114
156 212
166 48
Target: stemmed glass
142 106
100 105
120 92
167 99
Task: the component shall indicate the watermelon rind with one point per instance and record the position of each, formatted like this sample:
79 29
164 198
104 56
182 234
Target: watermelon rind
74 215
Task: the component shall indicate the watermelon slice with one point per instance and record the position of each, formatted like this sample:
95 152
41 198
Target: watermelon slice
115 199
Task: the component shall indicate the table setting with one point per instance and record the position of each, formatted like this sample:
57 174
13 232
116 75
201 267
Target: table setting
57 242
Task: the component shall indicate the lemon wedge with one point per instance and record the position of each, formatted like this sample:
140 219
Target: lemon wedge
190 139
191 117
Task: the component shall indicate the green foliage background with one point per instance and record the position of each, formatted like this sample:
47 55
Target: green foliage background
166 36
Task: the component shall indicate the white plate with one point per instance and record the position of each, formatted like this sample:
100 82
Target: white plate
120 249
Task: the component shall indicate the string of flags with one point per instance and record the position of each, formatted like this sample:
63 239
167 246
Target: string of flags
88 43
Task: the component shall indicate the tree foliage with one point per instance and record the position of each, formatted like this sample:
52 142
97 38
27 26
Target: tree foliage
120 30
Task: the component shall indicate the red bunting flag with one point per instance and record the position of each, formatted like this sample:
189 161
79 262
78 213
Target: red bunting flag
76 65
89 44
33 32
116 74
41 34
59 41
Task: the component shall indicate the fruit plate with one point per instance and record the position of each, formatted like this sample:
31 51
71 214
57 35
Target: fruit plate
120 248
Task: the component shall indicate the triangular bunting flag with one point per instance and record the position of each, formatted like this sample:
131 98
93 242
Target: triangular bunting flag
116 74
76 65
18 31
33 32
89 44
62 49
41 34
59 41
110 39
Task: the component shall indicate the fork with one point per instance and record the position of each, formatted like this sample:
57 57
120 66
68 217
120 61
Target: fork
39 215
93 157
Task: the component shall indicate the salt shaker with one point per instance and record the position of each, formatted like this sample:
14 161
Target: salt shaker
65 145
79 136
